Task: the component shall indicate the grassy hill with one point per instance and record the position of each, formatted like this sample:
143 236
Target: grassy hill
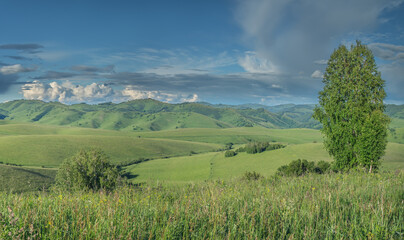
140 115
152 115
211 166
22 179
41 145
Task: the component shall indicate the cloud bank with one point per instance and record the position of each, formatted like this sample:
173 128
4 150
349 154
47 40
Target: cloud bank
67 92
293 34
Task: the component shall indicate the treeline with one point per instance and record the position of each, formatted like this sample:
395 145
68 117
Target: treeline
259 147
253 148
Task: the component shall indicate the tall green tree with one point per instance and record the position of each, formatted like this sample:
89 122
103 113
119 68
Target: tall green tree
351 109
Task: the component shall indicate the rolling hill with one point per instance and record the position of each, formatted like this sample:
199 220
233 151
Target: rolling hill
141 115
151 115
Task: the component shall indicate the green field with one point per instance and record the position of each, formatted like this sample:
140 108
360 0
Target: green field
22 179
210 166
177 156
41 145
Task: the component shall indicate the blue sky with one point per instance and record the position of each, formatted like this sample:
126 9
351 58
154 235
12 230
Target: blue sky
258 51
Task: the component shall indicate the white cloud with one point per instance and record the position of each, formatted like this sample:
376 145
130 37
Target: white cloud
13 69
67 92
35 90
255 64
193 98
132 94
317 74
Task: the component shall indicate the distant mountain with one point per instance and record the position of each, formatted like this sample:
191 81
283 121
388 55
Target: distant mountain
148 114
301 115
395 111
140 115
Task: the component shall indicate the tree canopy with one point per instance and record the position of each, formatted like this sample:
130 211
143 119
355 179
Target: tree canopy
351 109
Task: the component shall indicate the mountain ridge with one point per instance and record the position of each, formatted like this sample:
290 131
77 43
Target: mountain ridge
153 115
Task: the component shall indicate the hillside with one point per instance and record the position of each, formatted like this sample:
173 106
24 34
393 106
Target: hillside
301 114
151 115
141 115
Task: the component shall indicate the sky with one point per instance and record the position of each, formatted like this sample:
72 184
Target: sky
219 51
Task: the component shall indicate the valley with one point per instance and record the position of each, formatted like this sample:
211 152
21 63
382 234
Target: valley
192 152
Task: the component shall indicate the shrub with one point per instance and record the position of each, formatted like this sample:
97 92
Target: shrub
252 176
301 167
322 167
230 153
228 146
87 170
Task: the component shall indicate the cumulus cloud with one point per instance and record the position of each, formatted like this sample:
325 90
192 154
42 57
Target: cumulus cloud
317 74
134 94
294 34
67 92
13 69
255 64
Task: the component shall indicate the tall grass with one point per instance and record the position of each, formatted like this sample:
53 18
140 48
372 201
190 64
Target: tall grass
353 206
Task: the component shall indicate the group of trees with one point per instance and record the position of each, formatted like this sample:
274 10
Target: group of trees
259 147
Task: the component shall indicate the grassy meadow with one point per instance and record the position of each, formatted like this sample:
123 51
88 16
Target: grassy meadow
335 206
188 189
175 156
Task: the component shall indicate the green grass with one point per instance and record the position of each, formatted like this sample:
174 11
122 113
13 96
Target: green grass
336 206
238 135
51 150
216 166
22 179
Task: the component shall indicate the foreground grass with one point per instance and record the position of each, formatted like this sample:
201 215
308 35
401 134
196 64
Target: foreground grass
354 206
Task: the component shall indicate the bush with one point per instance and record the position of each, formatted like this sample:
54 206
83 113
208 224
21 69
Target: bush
87 170
259 147
228 146
301 167
252 176
230 153
322 167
